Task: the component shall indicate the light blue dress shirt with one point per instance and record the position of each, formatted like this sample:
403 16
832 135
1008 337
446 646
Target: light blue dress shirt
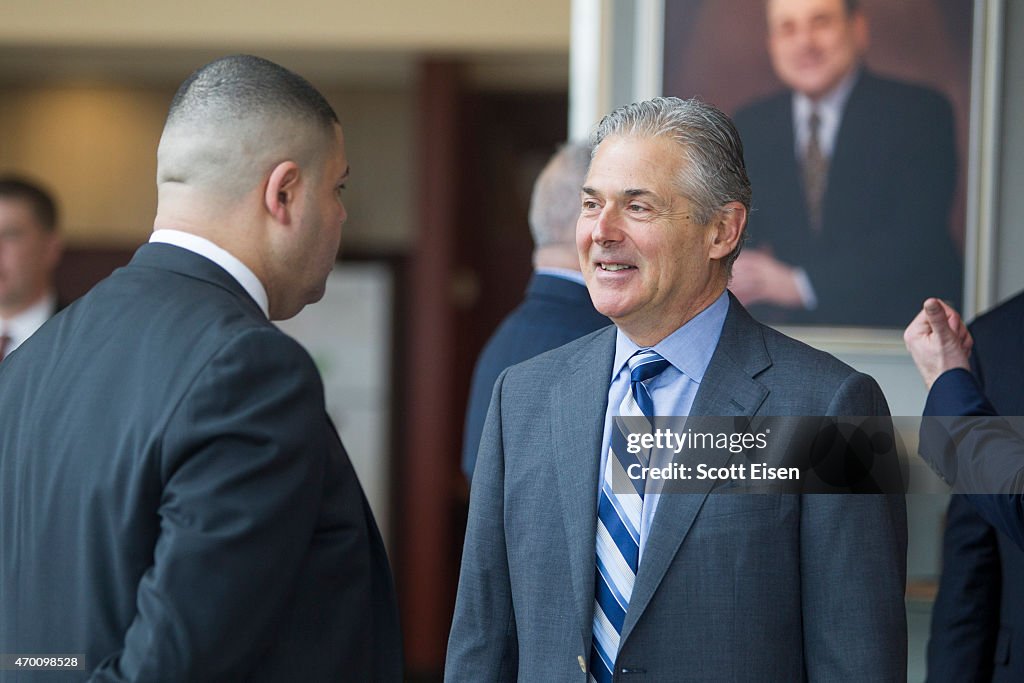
689 350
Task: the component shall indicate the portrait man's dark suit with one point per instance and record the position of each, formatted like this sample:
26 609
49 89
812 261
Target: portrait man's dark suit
554 312
196 438
732 587
884 243
977 631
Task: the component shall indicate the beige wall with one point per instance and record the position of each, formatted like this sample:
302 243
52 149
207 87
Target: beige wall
350 24
96 147
84 88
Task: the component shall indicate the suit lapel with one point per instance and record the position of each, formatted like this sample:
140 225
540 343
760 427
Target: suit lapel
728 389
577 426
858 123
789 181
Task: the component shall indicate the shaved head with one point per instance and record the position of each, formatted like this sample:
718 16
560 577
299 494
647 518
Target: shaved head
252 158
235 118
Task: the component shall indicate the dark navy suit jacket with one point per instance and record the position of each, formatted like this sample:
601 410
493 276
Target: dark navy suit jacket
175 504
978 618
884 246
554 312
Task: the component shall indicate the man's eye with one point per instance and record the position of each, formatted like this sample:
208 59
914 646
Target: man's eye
636 208
589 204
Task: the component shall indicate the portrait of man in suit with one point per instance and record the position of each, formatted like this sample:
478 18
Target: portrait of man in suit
176 504
854 176
557 306
566 577
30 250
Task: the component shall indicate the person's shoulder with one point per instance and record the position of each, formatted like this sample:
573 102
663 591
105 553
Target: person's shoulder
560 361
1002 319
899 93
792 355
756 110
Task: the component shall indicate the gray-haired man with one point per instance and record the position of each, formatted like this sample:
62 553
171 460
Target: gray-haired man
566 578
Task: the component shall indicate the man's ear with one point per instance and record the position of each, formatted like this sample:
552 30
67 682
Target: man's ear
727 229
54 251
861 32
281 192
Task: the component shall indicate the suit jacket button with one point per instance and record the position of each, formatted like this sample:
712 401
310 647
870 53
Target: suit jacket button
583 663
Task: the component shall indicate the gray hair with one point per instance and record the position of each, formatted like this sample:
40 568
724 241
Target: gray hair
715 173
555 203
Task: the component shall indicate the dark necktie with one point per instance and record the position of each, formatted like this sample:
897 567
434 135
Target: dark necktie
815 173
619 517
4 341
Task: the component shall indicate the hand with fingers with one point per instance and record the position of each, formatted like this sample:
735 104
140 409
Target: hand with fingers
938 340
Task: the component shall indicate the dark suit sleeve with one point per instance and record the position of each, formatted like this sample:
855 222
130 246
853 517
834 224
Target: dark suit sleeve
243 461
476 412
482 645
853 570
965 618
975 453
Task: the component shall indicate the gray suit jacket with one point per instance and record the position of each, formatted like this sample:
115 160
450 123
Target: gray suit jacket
776 587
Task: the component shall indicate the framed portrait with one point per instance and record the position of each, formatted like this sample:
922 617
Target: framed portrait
855 117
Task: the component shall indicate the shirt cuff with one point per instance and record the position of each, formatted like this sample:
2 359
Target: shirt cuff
805 289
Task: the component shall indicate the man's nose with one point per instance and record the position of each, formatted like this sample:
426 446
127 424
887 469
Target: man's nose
608 226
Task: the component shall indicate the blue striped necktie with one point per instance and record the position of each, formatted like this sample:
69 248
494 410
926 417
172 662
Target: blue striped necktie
618 520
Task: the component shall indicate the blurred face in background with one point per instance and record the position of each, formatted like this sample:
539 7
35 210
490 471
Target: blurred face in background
814 43
28 256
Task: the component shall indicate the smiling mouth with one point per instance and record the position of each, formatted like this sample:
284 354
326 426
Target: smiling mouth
614 267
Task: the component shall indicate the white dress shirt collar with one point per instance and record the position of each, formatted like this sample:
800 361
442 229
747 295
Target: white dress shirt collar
830 112
235 268
23 325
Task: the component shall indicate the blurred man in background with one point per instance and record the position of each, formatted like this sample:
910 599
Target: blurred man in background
30 249
557 307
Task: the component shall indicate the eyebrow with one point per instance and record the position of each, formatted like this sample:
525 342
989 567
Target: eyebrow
629 192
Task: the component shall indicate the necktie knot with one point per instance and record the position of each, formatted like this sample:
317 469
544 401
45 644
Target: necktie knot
814 122
646 364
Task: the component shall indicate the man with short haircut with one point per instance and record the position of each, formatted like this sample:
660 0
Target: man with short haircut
566 577
30 249
854 175
176 504
557 307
